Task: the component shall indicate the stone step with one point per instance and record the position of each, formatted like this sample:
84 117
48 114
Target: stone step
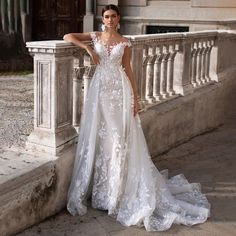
32 187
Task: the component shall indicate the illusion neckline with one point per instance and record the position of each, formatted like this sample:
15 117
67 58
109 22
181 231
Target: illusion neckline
110 47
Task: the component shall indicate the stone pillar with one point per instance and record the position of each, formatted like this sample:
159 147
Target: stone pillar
182 65
53 65
217 53
3 14
25 11
10 13
88 23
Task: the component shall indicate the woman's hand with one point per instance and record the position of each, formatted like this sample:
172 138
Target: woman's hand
93 55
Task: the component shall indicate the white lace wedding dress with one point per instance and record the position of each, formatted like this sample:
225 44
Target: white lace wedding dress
113 165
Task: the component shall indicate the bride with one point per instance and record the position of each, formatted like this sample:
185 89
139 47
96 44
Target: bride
113 165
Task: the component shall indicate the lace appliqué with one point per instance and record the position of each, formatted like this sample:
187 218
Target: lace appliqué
113 158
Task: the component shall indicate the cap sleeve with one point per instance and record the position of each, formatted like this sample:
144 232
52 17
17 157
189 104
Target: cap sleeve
93 36
128 43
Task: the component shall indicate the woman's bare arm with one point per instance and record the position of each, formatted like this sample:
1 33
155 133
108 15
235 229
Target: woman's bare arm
126 64
79 39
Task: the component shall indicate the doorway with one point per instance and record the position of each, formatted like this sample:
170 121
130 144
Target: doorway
54 18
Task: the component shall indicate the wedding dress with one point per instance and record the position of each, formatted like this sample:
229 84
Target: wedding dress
113 165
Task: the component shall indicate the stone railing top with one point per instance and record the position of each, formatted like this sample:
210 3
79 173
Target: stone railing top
206 33
53 44
52 47
148 19
154 36
196 35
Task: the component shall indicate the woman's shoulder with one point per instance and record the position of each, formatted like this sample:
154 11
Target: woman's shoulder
126 41
95 34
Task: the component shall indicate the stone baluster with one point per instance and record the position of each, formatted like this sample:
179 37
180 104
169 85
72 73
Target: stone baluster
207 63
216 51
203 63
163 81
170 70
53 64
194 64
150 72
157 74
144 69
182 67
79 70
199 63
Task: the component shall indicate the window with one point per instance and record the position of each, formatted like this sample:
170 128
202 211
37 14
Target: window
157 29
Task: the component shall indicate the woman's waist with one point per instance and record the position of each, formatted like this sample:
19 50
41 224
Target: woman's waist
109 64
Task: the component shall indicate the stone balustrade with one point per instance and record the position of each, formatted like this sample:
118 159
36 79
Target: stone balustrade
165 66
169 65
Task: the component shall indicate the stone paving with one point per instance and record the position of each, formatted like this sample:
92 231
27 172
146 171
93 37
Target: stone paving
16 123
16 109
208 159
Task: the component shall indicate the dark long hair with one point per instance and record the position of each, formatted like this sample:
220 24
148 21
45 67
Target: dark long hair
111 7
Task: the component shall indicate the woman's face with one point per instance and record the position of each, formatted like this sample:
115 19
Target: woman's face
110 19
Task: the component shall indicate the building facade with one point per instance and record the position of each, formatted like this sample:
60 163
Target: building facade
156 16
28 20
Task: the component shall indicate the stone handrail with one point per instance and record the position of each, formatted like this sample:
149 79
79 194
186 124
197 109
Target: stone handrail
165 66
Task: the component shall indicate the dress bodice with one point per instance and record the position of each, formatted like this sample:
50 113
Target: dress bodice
109 54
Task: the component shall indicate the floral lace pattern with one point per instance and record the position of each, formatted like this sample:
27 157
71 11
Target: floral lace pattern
112 163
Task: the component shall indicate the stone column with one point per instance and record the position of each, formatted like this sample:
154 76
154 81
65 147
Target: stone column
3 14
10 13
24 14
88 23
53 65
182 65
217 53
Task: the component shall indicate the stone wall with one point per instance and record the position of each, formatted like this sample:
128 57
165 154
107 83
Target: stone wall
195 14
177 121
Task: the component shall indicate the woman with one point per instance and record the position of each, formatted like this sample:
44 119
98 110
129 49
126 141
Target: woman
112 164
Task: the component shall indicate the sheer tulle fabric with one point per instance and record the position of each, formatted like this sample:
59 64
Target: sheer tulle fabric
113 165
